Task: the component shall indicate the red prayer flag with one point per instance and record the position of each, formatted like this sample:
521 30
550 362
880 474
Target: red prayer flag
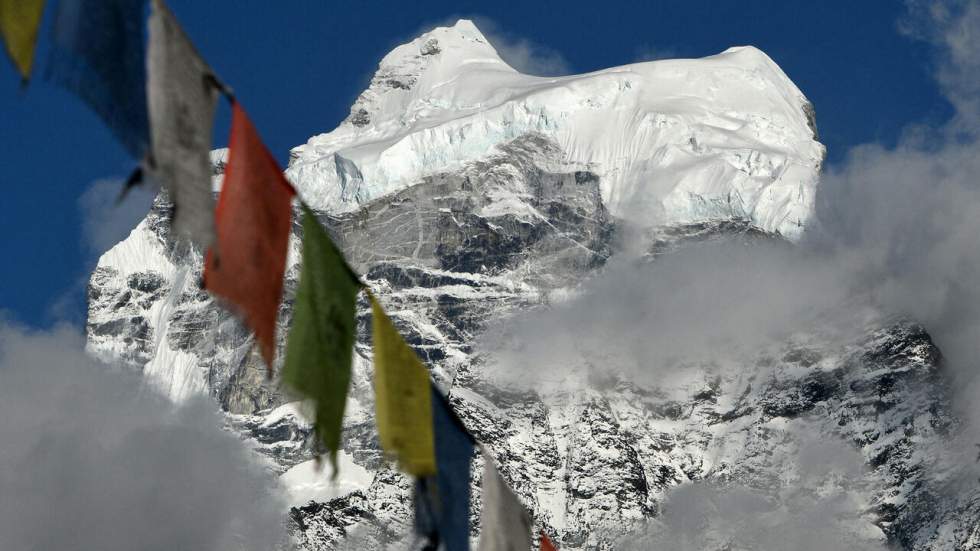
246 264
546 544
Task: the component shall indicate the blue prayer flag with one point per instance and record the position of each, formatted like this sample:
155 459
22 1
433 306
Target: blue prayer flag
98 52
424 499
442 502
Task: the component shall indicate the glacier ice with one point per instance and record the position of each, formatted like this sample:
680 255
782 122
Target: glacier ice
673 141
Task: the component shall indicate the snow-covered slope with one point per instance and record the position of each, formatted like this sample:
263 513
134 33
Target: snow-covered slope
672 141
466 193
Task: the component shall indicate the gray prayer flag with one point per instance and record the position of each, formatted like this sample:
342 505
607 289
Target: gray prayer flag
505 524
181 94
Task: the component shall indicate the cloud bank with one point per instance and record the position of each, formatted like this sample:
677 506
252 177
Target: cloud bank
715 302
93 458
906 221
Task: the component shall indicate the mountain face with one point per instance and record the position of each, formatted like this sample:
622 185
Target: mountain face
467 193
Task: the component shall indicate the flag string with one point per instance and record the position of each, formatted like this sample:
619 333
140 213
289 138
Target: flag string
158 98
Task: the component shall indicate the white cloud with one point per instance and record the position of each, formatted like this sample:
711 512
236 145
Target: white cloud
906 220
105 219
821 508
521 53
93 458
653 53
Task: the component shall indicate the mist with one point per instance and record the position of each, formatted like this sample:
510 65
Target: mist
714 302
704 515
819 508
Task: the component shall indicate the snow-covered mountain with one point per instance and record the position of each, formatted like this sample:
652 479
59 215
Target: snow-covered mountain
673 141
466 193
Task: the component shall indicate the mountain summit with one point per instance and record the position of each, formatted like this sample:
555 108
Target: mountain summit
672 141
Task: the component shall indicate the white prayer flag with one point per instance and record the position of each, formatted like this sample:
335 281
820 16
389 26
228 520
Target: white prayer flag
181 95
505 524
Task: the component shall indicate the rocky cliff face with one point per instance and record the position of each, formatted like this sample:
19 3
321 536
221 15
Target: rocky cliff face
465 193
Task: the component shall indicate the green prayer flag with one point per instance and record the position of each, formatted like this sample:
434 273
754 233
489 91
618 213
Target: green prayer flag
324 328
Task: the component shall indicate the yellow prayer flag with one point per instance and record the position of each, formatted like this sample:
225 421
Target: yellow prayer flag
19 20
403 398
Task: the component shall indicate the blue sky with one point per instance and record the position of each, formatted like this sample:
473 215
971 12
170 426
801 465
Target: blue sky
297 67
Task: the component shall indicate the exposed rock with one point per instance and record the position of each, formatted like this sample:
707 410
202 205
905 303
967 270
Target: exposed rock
430 47
500 226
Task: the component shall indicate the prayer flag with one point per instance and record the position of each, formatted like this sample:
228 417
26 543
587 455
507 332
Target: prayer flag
181 94
19 20
323 331
402 398
443 501
97 52
546 544
505 524
425 498
246 264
